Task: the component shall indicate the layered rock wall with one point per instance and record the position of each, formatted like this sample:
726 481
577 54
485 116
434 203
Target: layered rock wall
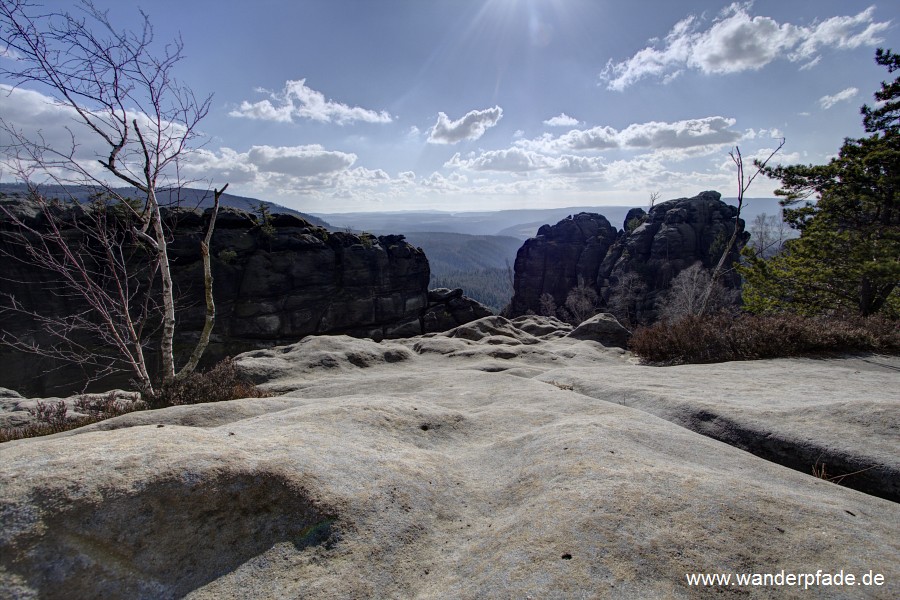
274 283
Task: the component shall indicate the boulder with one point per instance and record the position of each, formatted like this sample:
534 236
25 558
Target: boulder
448 309
602 328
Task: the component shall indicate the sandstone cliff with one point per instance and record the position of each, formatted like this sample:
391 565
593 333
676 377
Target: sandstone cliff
653 246
275 282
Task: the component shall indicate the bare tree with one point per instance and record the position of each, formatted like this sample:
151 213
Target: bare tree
768 234
548 305
743 185
693 292
120 90
582 302
623 301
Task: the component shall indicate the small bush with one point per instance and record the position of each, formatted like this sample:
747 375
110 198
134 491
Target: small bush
221 383
720 338
55 418
227 256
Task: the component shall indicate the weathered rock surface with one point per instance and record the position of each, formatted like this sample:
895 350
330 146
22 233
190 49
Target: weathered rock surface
273 284
493 460
654 246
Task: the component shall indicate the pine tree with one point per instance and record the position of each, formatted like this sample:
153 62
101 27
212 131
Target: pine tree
847 257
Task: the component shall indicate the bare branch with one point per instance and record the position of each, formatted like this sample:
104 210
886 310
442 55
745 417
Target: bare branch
743 186
110 259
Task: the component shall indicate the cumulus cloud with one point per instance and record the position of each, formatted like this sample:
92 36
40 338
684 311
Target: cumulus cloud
680 134
436 182
827 102
299 101
64 140
737 41
295 167
562 120
569 164
470 127
689 133
513 160
299 161
520 161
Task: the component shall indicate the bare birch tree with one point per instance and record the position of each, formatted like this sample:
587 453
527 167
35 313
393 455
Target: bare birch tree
120 90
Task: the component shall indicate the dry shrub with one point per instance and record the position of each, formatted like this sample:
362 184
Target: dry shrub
53 418
221 383
718 338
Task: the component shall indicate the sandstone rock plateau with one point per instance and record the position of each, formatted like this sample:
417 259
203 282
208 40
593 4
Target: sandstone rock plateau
501 459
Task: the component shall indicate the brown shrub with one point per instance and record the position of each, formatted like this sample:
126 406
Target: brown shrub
221 383
720 338
54 418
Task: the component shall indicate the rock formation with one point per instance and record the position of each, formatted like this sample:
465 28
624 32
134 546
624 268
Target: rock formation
500 459
275 282
449 308
651 249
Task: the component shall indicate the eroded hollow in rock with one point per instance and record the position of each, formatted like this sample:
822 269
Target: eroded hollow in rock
166 539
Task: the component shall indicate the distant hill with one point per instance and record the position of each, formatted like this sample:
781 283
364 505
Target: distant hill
521 224
188 197
501 222
460 252
475 263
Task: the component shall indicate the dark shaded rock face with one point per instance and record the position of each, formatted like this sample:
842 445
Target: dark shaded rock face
448 309
654 246
555 260
273 285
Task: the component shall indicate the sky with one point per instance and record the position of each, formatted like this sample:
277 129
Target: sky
331 106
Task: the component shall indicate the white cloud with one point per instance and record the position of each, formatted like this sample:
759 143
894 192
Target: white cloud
436 182
299 101
562 120
69 148
513 160
269 169
842 33
827 102
680 134
470 127
521 161
569 164
9 53
811 64
689 133
299 161
737 41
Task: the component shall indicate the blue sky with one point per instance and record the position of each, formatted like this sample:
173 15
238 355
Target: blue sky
365 105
